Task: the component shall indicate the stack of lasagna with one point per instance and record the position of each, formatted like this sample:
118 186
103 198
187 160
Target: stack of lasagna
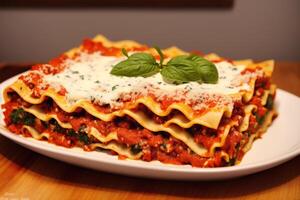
74 101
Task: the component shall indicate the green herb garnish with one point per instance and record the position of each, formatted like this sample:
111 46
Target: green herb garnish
19 116
135 149
71 133
260 119
114 87
207 69
138 64
59 129
180 69
83 138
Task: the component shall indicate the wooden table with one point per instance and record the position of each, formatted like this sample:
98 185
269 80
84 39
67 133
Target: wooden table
27 175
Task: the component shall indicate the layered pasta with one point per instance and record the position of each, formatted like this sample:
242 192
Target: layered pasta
74 101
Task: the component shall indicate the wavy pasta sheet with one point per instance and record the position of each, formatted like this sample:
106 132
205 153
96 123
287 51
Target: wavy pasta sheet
113 136
248 112
120 149
224 156
223 137
250 108
104 139
267 66
267 122
45 117
264 97
249 94
37 112
210 119
243 62
35 134
171 51
174 130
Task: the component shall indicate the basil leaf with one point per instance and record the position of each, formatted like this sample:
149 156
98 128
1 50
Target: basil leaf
138 64
209 73
146 57
207 69
180 70
196 58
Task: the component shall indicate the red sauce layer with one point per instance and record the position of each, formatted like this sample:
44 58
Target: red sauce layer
154 146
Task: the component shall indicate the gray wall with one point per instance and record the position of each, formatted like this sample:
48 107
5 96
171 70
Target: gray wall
260 29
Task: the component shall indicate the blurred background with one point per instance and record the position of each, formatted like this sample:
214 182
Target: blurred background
36 31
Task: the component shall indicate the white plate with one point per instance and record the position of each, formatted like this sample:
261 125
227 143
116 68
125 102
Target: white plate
279 144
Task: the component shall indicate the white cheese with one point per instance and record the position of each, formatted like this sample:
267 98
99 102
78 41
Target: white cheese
88 77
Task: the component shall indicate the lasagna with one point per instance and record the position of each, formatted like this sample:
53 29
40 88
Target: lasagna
76 101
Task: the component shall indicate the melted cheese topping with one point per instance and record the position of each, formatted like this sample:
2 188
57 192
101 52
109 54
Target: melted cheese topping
88 77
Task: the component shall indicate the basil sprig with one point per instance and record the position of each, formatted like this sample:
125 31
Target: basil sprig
180 69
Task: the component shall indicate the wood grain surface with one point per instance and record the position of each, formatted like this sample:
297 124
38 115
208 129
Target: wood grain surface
27 175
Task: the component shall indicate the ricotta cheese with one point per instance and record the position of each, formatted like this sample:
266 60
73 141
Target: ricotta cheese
88 77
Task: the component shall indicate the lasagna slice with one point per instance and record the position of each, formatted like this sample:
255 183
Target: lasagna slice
75 101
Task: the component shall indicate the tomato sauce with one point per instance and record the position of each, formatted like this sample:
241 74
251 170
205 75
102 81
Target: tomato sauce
128 131
263 82
35 82
206 141
233 139
15 128
166 102
154 147
59 139
131 137
9 107
90 47
103 108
